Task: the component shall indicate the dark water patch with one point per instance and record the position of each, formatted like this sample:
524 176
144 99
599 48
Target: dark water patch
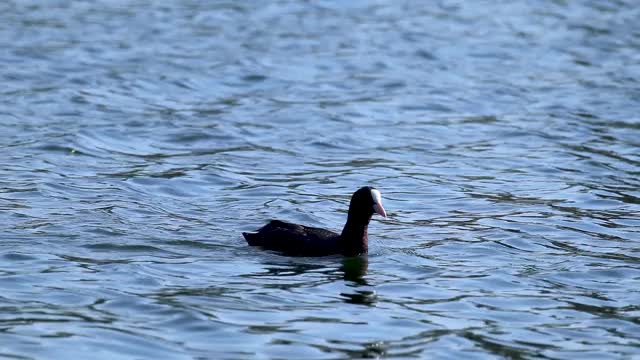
17 257
109 247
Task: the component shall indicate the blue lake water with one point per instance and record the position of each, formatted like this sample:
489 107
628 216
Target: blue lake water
140 138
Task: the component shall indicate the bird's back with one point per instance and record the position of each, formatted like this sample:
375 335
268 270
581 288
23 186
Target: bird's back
294 239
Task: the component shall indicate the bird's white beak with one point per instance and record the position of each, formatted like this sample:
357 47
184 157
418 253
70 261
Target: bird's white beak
380 210
377 203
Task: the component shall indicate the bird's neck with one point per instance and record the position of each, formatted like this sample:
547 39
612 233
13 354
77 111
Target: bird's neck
354 238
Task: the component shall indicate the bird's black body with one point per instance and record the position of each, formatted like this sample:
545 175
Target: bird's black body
295 239
300 240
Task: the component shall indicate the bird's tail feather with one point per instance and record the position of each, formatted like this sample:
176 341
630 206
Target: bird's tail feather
251 238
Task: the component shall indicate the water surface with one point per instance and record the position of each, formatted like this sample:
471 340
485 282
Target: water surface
141 138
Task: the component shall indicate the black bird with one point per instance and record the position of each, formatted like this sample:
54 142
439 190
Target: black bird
300 240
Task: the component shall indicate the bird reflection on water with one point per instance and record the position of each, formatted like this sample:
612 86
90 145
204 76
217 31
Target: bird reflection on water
354 270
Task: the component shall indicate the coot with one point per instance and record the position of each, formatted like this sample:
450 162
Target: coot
300 240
